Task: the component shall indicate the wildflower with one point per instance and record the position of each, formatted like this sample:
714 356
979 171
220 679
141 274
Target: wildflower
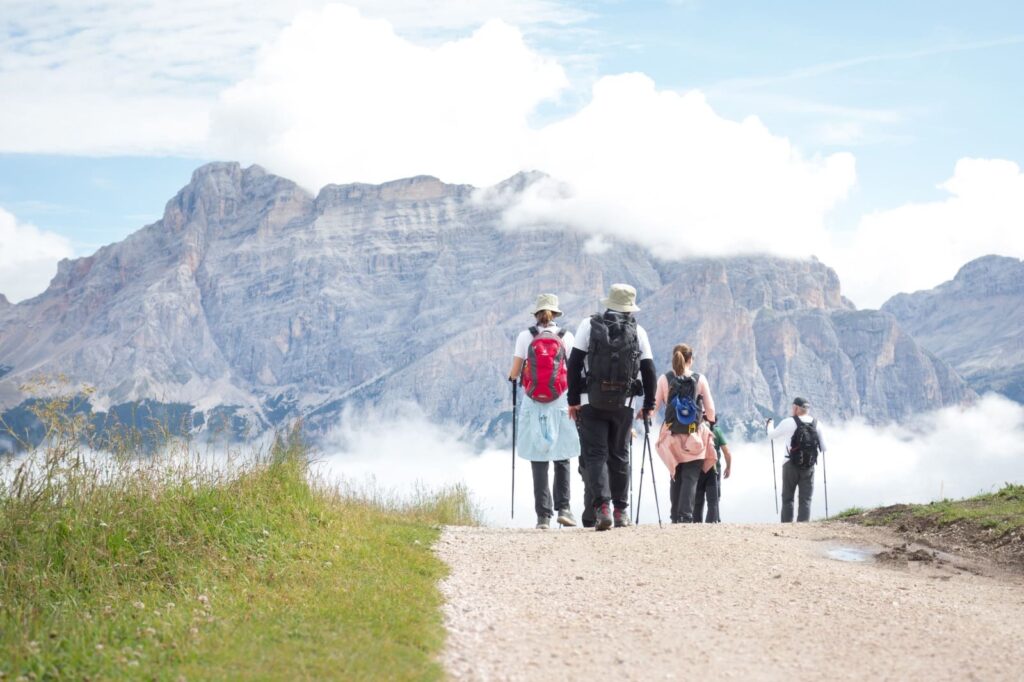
107 610
266 533
203 599
99 647
139 605
103 524
193 631
151 632
169 605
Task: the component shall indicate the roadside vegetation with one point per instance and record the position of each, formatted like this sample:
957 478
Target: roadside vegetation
169 563
991 524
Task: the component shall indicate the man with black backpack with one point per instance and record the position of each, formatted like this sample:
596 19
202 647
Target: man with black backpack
610 351
803 433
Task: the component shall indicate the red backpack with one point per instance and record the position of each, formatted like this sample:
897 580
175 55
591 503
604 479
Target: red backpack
544 374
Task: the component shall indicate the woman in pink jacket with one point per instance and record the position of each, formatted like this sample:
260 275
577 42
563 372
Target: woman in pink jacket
685 443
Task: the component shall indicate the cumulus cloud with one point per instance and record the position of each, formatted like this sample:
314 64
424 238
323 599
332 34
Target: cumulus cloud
141 76
340 96
953 452
28 257
920 245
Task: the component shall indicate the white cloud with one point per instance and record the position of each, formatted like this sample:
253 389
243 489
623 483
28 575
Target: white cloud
141 77
28 257
339 97
938 454
920 245
342 97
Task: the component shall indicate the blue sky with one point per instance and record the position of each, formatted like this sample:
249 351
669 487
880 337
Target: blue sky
906 88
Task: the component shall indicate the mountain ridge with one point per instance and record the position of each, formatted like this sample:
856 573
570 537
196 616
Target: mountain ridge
254 296
973 322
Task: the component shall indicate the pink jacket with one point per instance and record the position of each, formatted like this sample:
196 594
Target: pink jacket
684 447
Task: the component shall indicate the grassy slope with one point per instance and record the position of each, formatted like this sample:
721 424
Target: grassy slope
992 524
1000 512
259 576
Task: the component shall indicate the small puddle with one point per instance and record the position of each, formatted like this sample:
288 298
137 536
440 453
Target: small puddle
850 554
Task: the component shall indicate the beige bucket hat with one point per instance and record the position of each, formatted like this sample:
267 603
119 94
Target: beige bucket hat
621 298
547 302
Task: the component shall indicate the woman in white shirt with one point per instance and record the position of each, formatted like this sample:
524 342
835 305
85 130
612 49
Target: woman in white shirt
545 432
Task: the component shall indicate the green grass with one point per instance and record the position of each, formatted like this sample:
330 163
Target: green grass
112 569
1001 511
852 511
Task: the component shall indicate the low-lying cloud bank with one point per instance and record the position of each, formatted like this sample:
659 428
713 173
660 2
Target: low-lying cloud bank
953 452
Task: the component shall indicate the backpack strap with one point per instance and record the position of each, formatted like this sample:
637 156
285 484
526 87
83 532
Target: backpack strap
534 331
561 333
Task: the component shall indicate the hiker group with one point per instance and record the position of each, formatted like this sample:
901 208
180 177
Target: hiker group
583 393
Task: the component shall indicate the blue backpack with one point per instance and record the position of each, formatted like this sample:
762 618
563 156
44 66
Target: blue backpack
685 409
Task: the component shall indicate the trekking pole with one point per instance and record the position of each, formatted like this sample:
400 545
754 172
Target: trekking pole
631 457
640 485
650 455
824 473
515 394
775 478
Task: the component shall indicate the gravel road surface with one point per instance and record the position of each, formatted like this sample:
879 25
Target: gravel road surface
723 602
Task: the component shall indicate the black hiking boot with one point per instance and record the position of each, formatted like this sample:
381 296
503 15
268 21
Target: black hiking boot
621 517
603 516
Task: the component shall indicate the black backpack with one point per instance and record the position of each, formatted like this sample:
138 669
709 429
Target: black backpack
803 448
613 360
685 409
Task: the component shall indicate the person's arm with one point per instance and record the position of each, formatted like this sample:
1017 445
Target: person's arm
728 461
517 367
784 431
519 354
574 370
648 372
660 394
821 437
649 378
704 389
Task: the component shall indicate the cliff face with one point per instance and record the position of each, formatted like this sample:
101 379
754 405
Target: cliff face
975 322
251 293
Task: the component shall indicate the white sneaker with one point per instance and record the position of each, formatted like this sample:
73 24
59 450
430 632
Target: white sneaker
566 518
543 522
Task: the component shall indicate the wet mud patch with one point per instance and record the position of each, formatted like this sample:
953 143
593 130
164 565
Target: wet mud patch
962 528
905 554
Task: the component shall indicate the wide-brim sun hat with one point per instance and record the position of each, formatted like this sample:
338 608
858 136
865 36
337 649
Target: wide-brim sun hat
621 299
547 302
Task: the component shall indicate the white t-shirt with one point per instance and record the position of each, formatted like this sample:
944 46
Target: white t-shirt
525 337
787 427
583 343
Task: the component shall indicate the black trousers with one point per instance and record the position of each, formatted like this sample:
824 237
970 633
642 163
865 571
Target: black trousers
683 490
604 454
707 488
794 478
542 492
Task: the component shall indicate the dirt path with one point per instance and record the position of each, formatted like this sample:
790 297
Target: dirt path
727 601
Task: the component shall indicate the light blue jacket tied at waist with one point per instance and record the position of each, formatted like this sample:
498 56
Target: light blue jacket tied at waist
545 432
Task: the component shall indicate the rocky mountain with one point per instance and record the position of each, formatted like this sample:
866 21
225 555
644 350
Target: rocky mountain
975 322
252 302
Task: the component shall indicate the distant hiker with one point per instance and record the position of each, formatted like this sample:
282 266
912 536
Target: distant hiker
685 442
803 435
709 485
545 431
610 351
